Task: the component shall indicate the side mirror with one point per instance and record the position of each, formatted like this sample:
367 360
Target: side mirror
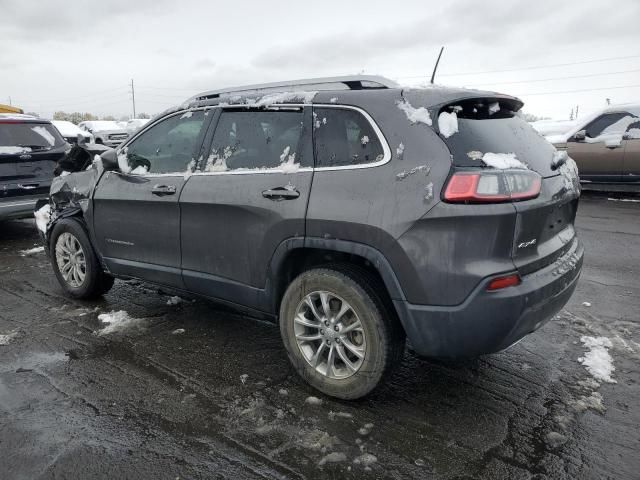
110 160
580 136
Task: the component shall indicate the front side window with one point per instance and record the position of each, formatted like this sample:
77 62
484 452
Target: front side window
167 147
257 139
344 137
602 123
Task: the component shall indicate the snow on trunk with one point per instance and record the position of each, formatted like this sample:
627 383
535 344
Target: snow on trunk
415 115
502 161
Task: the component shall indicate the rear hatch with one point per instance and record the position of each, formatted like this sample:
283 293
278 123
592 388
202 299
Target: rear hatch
29 151
544 228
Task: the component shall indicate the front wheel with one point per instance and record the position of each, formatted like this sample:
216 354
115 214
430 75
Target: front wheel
339 333
74 262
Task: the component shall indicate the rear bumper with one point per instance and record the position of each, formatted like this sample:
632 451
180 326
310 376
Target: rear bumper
17 207
488 322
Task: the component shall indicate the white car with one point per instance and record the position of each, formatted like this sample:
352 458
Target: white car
106 132
135 124
70 131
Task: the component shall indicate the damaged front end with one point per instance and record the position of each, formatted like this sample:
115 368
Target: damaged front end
76 176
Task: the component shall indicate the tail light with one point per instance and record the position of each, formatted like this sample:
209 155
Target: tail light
503 282
492 186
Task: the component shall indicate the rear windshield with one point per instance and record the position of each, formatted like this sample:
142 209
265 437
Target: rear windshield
494 129
30 136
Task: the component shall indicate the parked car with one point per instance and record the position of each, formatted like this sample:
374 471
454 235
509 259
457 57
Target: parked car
135 124
70 131
105 132
606 147
29 150
337 207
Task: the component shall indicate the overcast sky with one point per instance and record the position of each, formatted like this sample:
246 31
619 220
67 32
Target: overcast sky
81 55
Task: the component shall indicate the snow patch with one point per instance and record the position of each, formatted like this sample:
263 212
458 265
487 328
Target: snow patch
597 360
555 439
6 339
175 300
31 251
178 331
14 150
494 108
188 114
365 460
333 457
400 150
586 304
288 161
421 168
44 133
333 100
123 161
313 401
285 97
428 191
243 378
43 215
415 115
364 140
139 170
333 415
593 402
502 161
448 124
119 321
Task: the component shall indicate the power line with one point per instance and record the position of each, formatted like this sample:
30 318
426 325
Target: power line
579 90
554 78
536 67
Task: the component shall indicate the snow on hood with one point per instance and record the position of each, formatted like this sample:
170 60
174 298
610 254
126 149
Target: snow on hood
68 129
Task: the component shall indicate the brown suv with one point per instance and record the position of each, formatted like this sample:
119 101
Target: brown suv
606 147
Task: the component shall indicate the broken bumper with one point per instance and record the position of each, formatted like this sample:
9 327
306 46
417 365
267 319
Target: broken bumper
488 322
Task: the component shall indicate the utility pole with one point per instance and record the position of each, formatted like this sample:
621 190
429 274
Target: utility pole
577 109
133 99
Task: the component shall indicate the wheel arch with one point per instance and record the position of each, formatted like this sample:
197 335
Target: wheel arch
295 256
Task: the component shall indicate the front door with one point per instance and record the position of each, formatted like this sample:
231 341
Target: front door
631 167
249 197
600 155
136 211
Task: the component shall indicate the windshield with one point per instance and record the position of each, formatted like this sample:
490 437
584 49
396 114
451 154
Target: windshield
30 136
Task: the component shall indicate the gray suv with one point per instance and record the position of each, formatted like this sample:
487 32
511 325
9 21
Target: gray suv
352 211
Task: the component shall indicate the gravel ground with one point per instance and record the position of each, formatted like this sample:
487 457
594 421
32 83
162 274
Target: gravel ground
194 391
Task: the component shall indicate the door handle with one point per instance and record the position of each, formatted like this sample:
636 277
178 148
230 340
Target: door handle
281 193
163 189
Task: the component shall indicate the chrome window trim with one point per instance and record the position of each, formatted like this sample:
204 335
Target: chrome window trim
386 157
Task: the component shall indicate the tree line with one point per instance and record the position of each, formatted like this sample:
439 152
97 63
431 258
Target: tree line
77 117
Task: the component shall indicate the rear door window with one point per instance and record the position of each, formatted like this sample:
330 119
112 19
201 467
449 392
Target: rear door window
25 137
258 139
344 137
169 146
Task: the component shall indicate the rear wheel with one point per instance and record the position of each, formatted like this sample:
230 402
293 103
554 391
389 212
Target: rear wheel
340 335
75 263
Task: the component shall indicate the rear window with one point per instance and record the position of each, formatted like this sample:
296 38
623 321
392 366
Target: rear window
489 130
29 136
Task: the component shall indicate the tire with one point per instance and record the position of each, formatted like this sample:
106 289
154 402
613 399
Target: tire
67 236
380 338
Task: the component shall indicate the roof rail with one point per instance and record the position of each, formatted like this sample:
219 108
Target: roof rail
353 82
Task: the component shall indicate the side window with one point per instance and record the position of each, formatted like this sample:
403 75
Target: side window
257 139
168 146
344 137
633 131
597 126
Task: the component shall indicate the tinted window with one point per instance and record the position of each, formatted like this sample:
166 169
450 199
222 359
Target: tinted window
596 127
168 146
247 139
34 136
344 137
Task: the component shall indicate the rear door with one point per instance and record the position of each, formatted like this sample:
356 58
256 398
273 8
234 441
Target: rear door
250 195
136 214
631 167
600 155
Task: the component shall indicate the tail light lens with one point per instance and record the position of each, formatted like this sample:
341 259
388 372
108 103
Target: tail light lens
492 186
503 282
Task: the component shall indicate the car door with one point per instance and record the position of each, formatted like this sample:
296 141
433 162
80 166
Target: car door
631 167
136 215
249 197
599 154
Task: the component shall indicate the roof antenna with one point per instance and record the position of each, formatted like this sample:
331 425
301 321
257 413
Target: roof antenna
435 68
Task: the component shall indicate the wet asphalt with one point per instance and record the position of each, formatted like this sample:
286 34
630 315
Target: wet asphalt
220 401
